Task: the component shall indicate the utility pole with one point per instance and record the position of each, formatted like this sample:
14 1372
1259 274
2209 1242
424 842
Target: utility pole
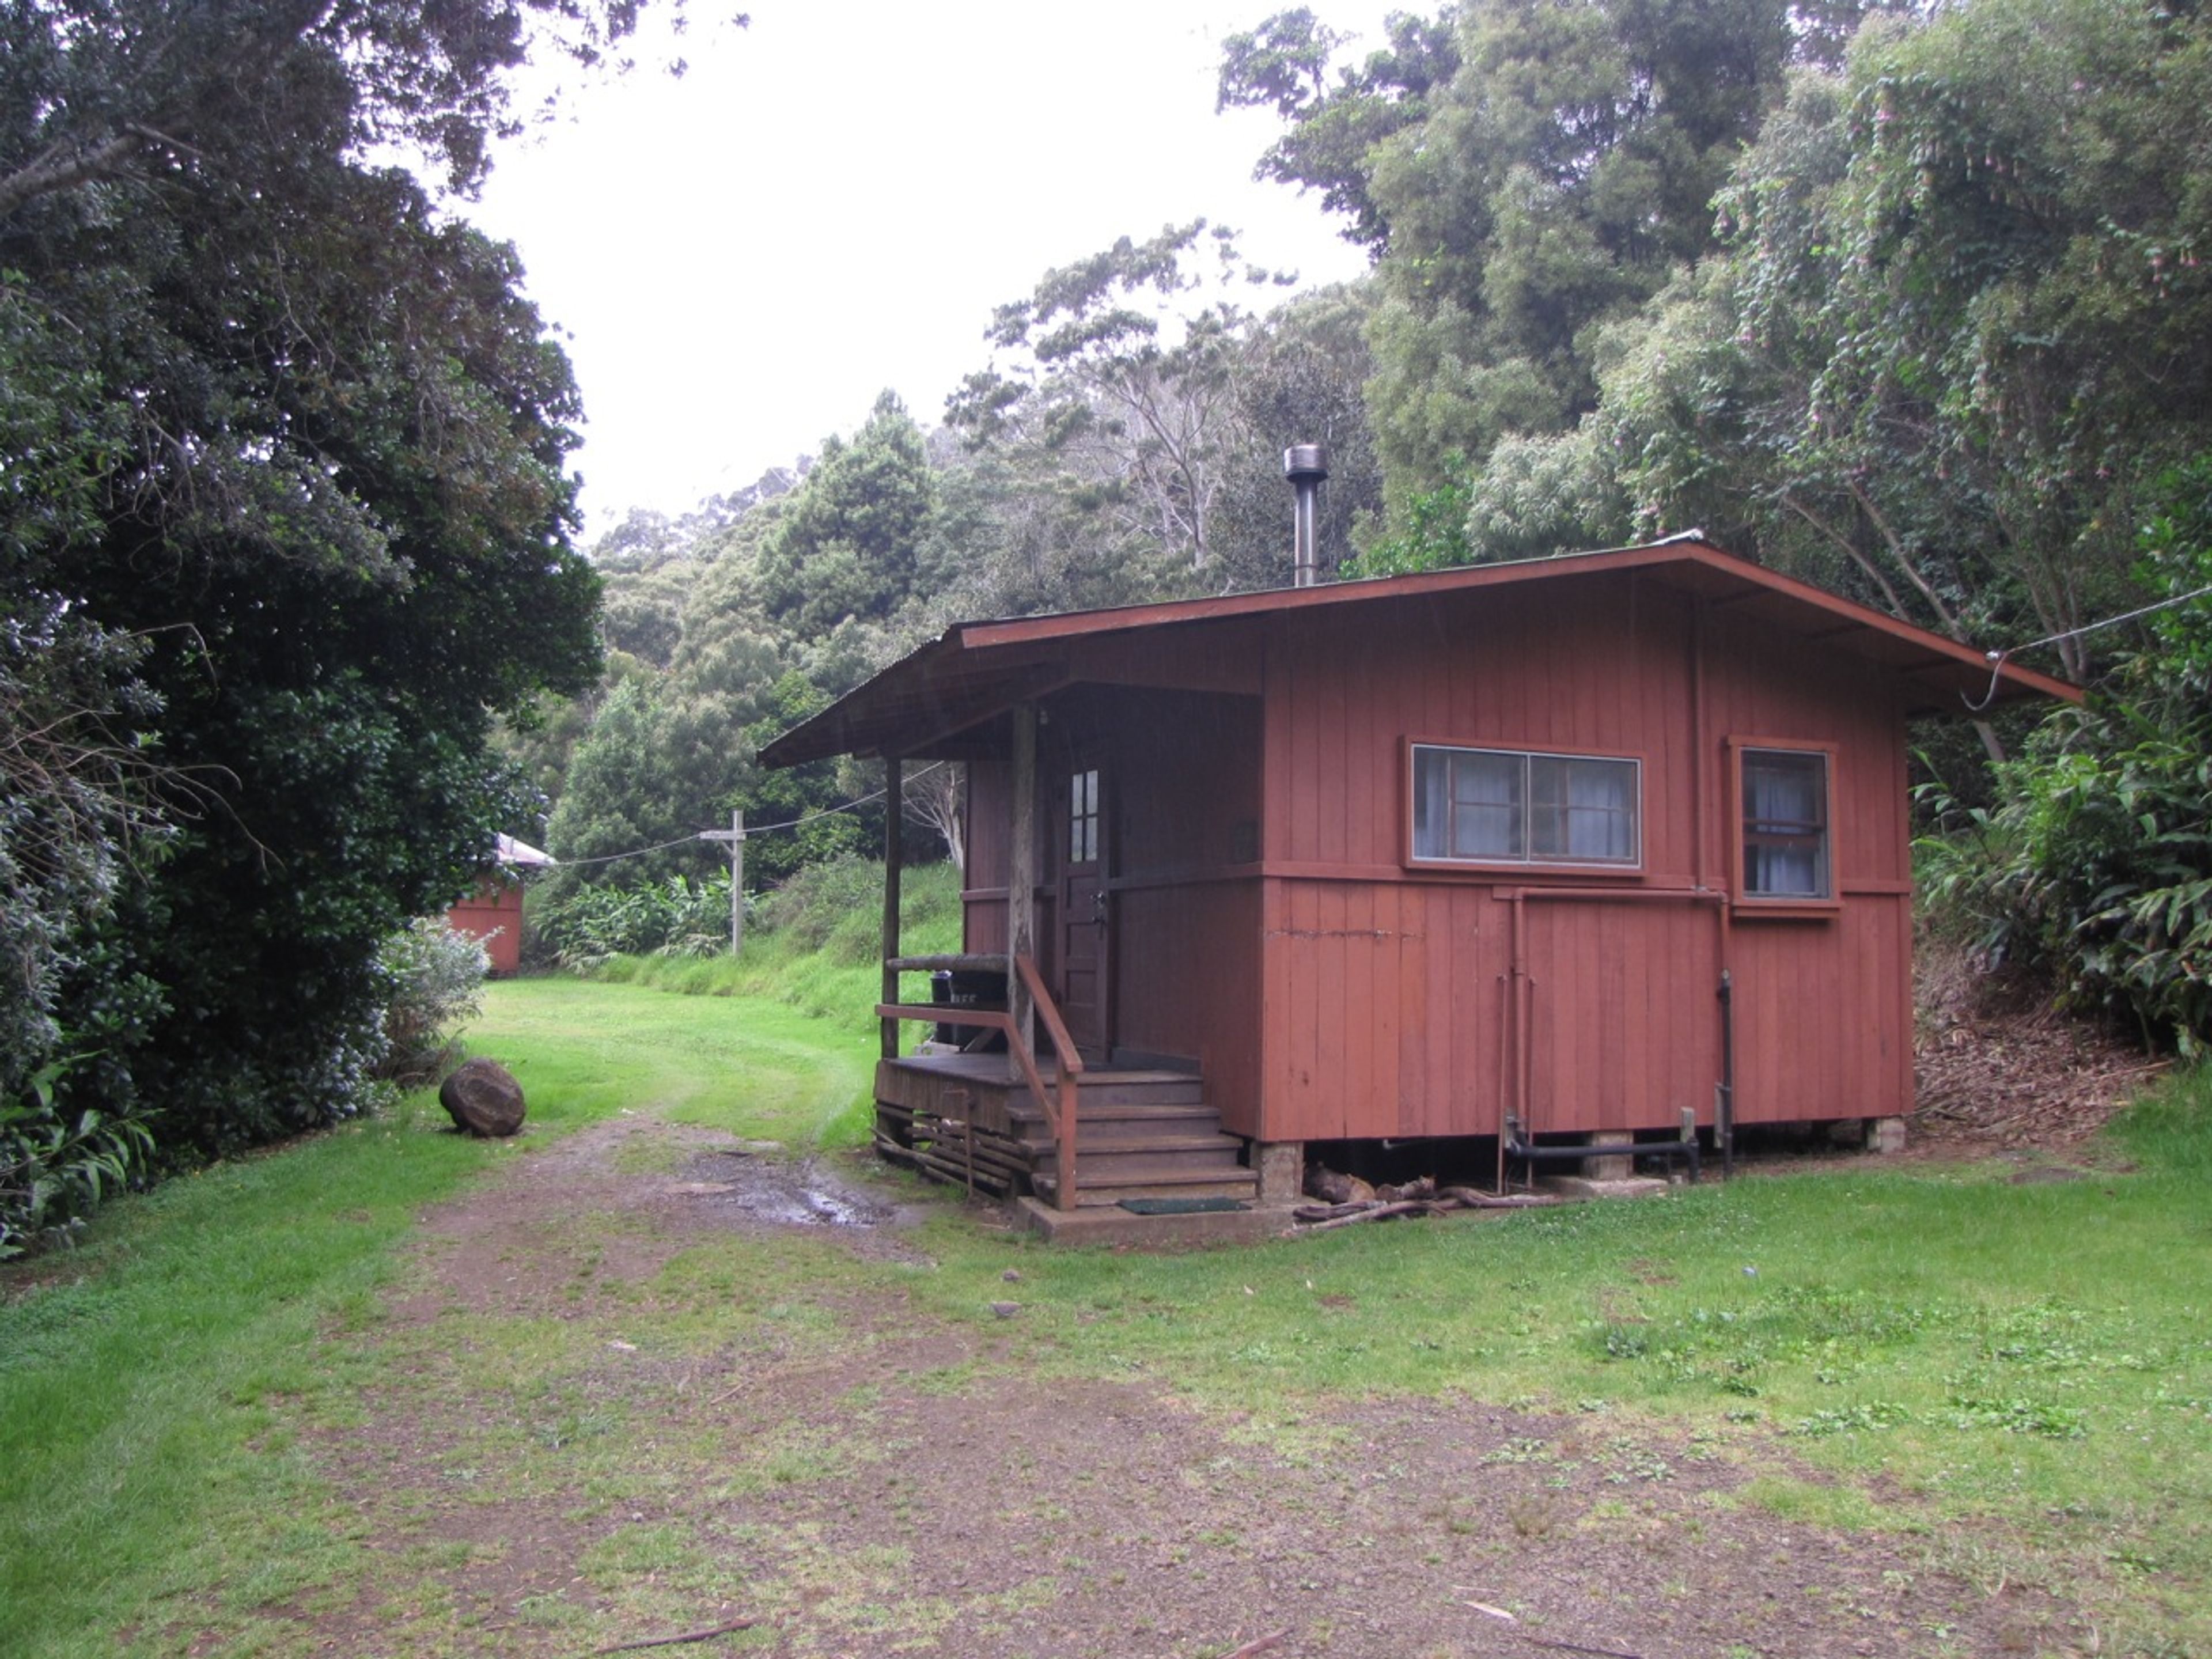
735 834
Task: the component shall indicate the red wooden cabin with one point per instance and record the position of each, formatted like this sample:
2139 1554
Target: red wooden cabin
1450 855
493 913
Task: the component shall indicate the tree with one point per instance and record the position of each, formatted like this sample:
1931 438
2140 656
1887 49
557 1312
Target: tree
1300 378
313 476
937 798
1118 374
847 544
1335 126
1543 174
1962 323
2097 862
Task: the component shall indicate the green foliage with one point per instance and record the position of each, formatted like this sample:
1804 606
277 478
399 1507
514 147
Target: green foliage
1961 324
434 980
1300 378
581 928
77 805
2098 860
1430 533
803 797
1552 183
286 526
847 546
836 909
1335 126
815 948
1112 393
56 1164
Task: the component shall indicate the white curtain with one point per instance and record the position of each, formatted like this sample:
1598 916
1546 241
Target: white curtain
1601 811
1785 846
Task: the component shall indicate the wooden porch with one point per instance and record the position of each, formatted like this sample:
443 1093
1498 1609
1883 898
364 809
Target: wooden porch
1144 1134
1037 1120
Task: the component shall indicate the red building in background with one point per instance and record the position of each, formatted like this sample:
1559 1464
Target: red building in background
494 912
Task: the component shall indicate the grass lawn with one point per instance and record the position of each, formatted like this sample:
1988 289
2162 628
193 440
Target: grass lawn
2017 1376
153 1380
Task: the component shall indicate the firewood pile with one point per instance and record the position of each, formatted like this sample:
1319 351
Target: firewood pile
1344 1200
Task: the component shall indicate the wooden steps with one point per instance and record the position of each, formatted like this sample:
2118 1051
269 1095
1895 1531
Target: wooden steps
1139 1134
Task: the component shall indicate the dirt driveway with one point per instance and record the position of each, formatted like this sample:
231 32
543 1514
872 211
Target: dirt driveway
584 1431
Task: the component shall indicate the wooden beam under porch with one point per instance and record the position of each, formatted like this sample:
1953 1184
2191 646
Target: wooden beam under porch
1147 1134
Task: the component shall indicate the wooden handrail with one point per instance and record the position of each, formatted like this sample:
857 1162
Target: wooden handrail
1063 1045
1059 1107
1071 1068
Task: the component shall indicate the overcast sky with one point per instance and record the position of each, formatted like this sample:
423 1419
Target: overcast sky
831 202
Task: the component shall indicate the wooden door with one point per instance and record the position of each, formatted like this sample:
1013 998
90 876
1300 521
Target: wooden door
1085 907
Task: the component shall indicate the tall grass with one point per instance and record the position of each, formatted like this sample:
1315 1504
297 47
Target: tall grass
817 943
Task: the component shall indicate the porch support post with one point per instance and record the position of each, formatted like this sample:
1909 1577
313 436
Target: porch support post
1282 1170
1021 881
894 857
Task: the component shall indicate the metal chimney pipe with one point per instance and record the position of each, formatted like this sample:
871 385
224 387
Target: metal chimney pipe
1305 466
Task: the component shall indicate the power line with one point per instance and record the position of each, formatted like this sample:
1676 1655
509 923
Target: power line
616 858
1997 660
2109 622
751 830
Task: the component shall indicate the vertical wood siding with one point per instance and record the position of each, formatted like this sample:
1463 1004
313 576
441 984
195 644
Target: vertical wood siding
1386 1008
1332 993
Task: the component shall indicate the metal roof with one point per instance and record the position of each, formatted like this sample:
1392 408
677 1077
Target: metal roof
976 670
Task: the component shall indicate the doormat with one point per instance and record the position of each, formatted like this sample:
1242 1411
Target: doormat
1182 1206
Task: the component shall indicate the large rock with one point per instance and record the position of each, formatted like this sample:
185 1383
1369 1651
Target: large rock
482 1098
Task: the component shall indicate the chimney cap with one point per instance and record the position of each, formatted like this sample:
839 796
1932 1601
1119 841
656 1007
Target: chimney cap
1302 462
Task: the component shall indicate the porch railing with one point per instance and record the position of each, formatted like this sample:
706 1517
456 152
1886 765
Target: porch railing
1058 1103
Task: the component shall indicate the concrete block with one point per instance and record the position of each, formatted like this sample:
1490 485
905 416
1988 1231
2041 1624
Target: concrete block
1619 1166
1885 1135
1282 1168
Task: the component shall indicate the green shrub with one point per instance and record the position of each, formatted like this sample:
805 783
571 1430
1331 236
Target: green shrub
55 1165
836 909
2097 861
436 977
585 926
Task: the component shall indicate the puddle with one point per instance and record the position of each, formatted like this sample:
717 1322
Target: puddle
790 1195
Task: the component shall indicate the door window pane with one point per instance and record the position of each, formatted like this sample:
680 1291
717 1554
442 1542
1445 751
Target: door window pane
1083 817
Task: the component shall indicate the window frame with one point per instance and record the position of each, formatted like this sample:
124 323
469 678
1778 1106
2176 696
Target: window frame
1410 783
1820 906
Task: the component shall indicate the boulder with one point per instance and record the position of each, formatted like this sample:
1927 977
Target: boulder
484 1099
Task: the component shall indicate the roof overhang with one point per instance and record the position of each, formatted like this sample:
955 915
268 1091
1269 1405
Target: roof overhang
922 704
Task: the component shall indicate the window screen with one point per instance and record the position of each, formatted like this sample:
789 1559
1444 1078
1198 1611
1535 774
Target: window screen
1785 825
1490 806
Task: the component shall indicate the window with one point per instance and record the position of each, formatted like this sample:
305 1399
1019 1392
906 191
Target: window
1083 817
1785 825
1501 806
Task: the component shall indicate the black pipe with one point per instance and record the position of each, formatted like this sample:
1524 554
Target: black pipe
1518 1145
1724 1118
